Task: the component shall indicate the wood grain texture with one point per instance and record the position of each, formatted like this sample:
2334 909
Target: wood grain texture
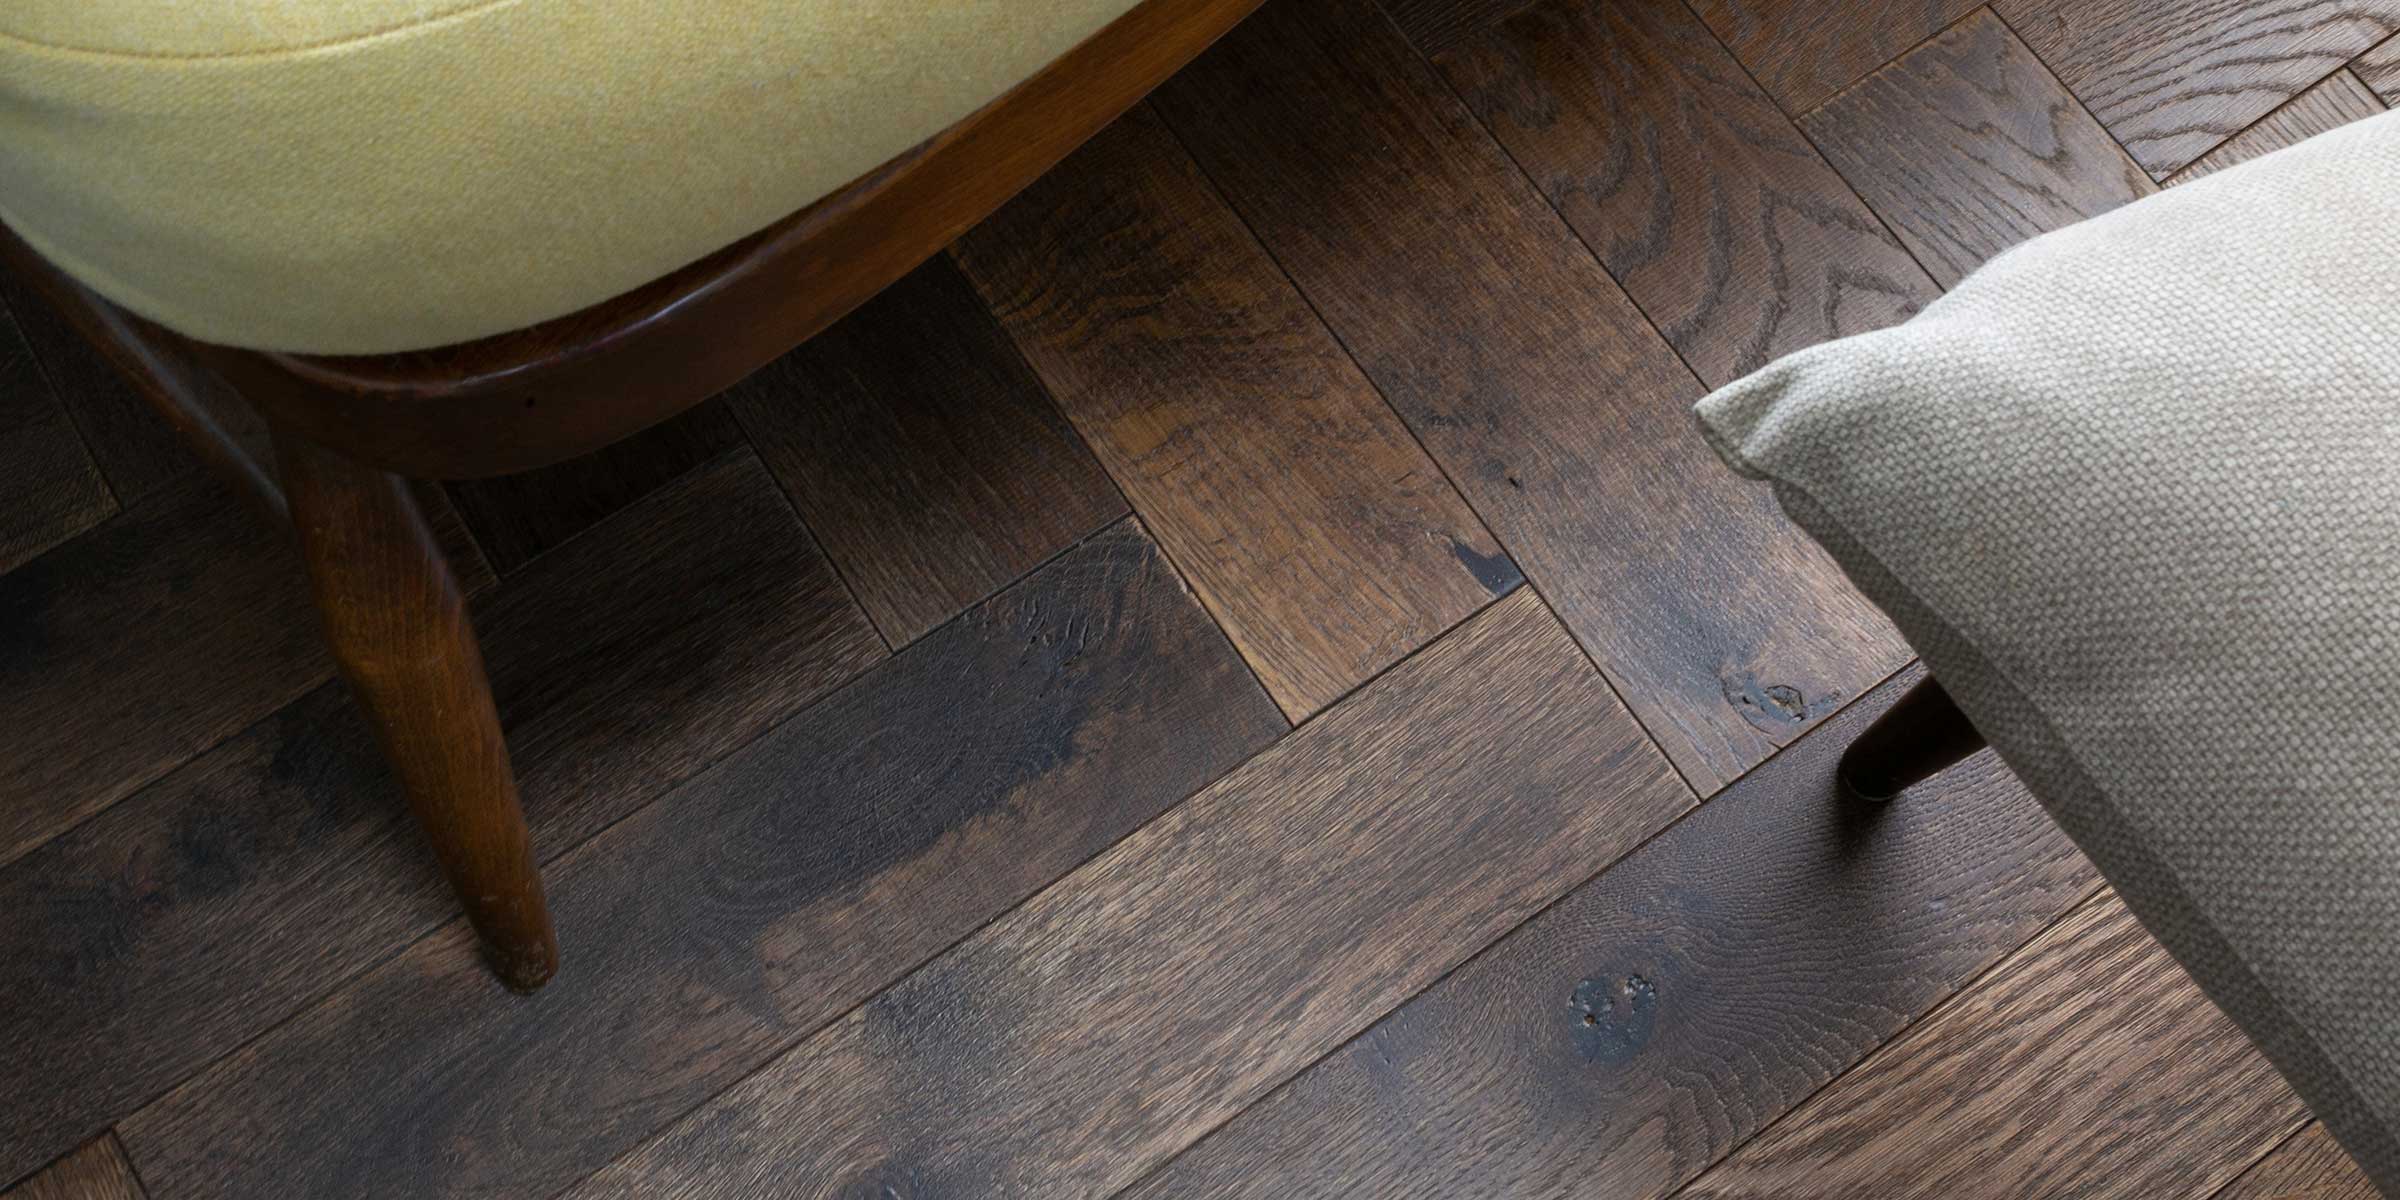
98 1171
1968 145
567 386
516 517
50 490
396 619
127 651
923 452
1703 201
1803 51
1533 380
1313 527
2172 78
2334 102
720 924
2379 69
205 908
136 452
1663 1013
2088 1061
1111 1020
2310 1166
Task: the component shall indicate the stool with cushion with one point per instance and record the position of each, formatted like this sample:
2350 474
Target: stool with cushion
2133 490
450 238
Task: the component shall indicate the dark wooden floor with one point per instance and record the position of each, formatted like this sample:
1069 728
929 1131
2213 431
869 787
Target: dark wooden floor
1238 680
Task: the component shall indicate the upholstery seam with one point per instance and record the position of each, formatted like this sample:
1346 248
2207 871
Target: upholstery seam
264 52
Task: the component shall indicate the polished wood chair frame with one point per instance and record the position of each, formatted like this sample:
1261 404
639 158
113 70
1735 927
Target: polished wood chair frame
348 432
1920 735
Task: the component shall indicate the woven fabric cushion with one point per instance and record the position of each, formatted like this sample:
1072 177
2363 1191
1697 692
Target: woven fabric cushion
2133 490
365 176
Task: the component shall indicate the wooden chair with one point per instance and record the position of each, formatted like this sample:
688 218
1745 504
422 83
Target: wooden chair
348 432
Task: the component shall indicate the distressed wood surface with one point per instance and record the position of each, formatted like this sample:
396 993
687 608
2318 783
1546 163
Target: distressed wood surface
1313 527
2379 69
923 452
1117 1016
1968 145
1536 384
2173 78
1669 1009
723 922
1697 193
2310 1166
2334 102
201 910
2088 1062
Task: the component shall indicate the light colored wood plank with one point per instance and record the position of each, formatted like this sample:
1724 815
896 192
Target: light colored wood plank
1110 1021
1310 523
2088 1062
2336 101
2172 78
2379 69
1968 145
98 1171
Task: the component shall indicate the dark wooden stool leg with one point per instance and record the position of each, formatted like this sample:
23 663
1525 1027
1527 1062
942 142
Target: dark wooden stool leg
1917 736
398 624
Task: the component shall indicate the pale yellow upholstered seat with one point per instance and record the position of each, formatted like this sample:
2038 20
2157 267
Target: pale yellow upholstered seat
365 176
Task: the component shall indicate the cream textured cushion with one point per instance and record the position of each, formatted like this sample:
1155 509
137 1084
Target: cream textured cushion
2133 489
362 176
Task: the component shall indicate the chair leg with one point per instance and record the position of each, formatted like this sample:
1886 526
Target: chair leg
1916 737
398 623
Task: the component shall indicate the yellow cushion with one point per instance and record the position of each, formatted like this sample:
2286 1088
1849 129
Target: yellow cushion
366 176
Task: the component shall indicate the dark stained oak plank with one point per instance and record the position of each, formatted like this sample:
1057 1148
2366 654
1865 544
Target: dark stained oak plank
720 924
1118 1015
1703 201
2379 69
2310 1166
2088 1062
921 449
1803 51
1664 1012
2334 102
196 913
1534 381
97 1171
1968 145
2172 78
135 450
1284 489
49 488
139 644
516 517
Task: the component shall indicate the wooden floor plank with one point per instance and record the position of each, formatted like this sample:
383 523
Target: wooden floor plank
1804 51
1117 1016
2311 1166
1539 386
198 912
2172 78
2336 101
921 449
50 490
720 924
148 639
1968 145
516 517
97 1171
2379 69
2088 1061
136 452
1663 1013
1713 212
1282 486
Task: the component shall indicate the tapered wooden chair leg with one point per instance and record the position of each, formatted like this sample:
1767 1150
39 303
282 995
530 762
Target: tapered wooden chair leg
398 623
1917 736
